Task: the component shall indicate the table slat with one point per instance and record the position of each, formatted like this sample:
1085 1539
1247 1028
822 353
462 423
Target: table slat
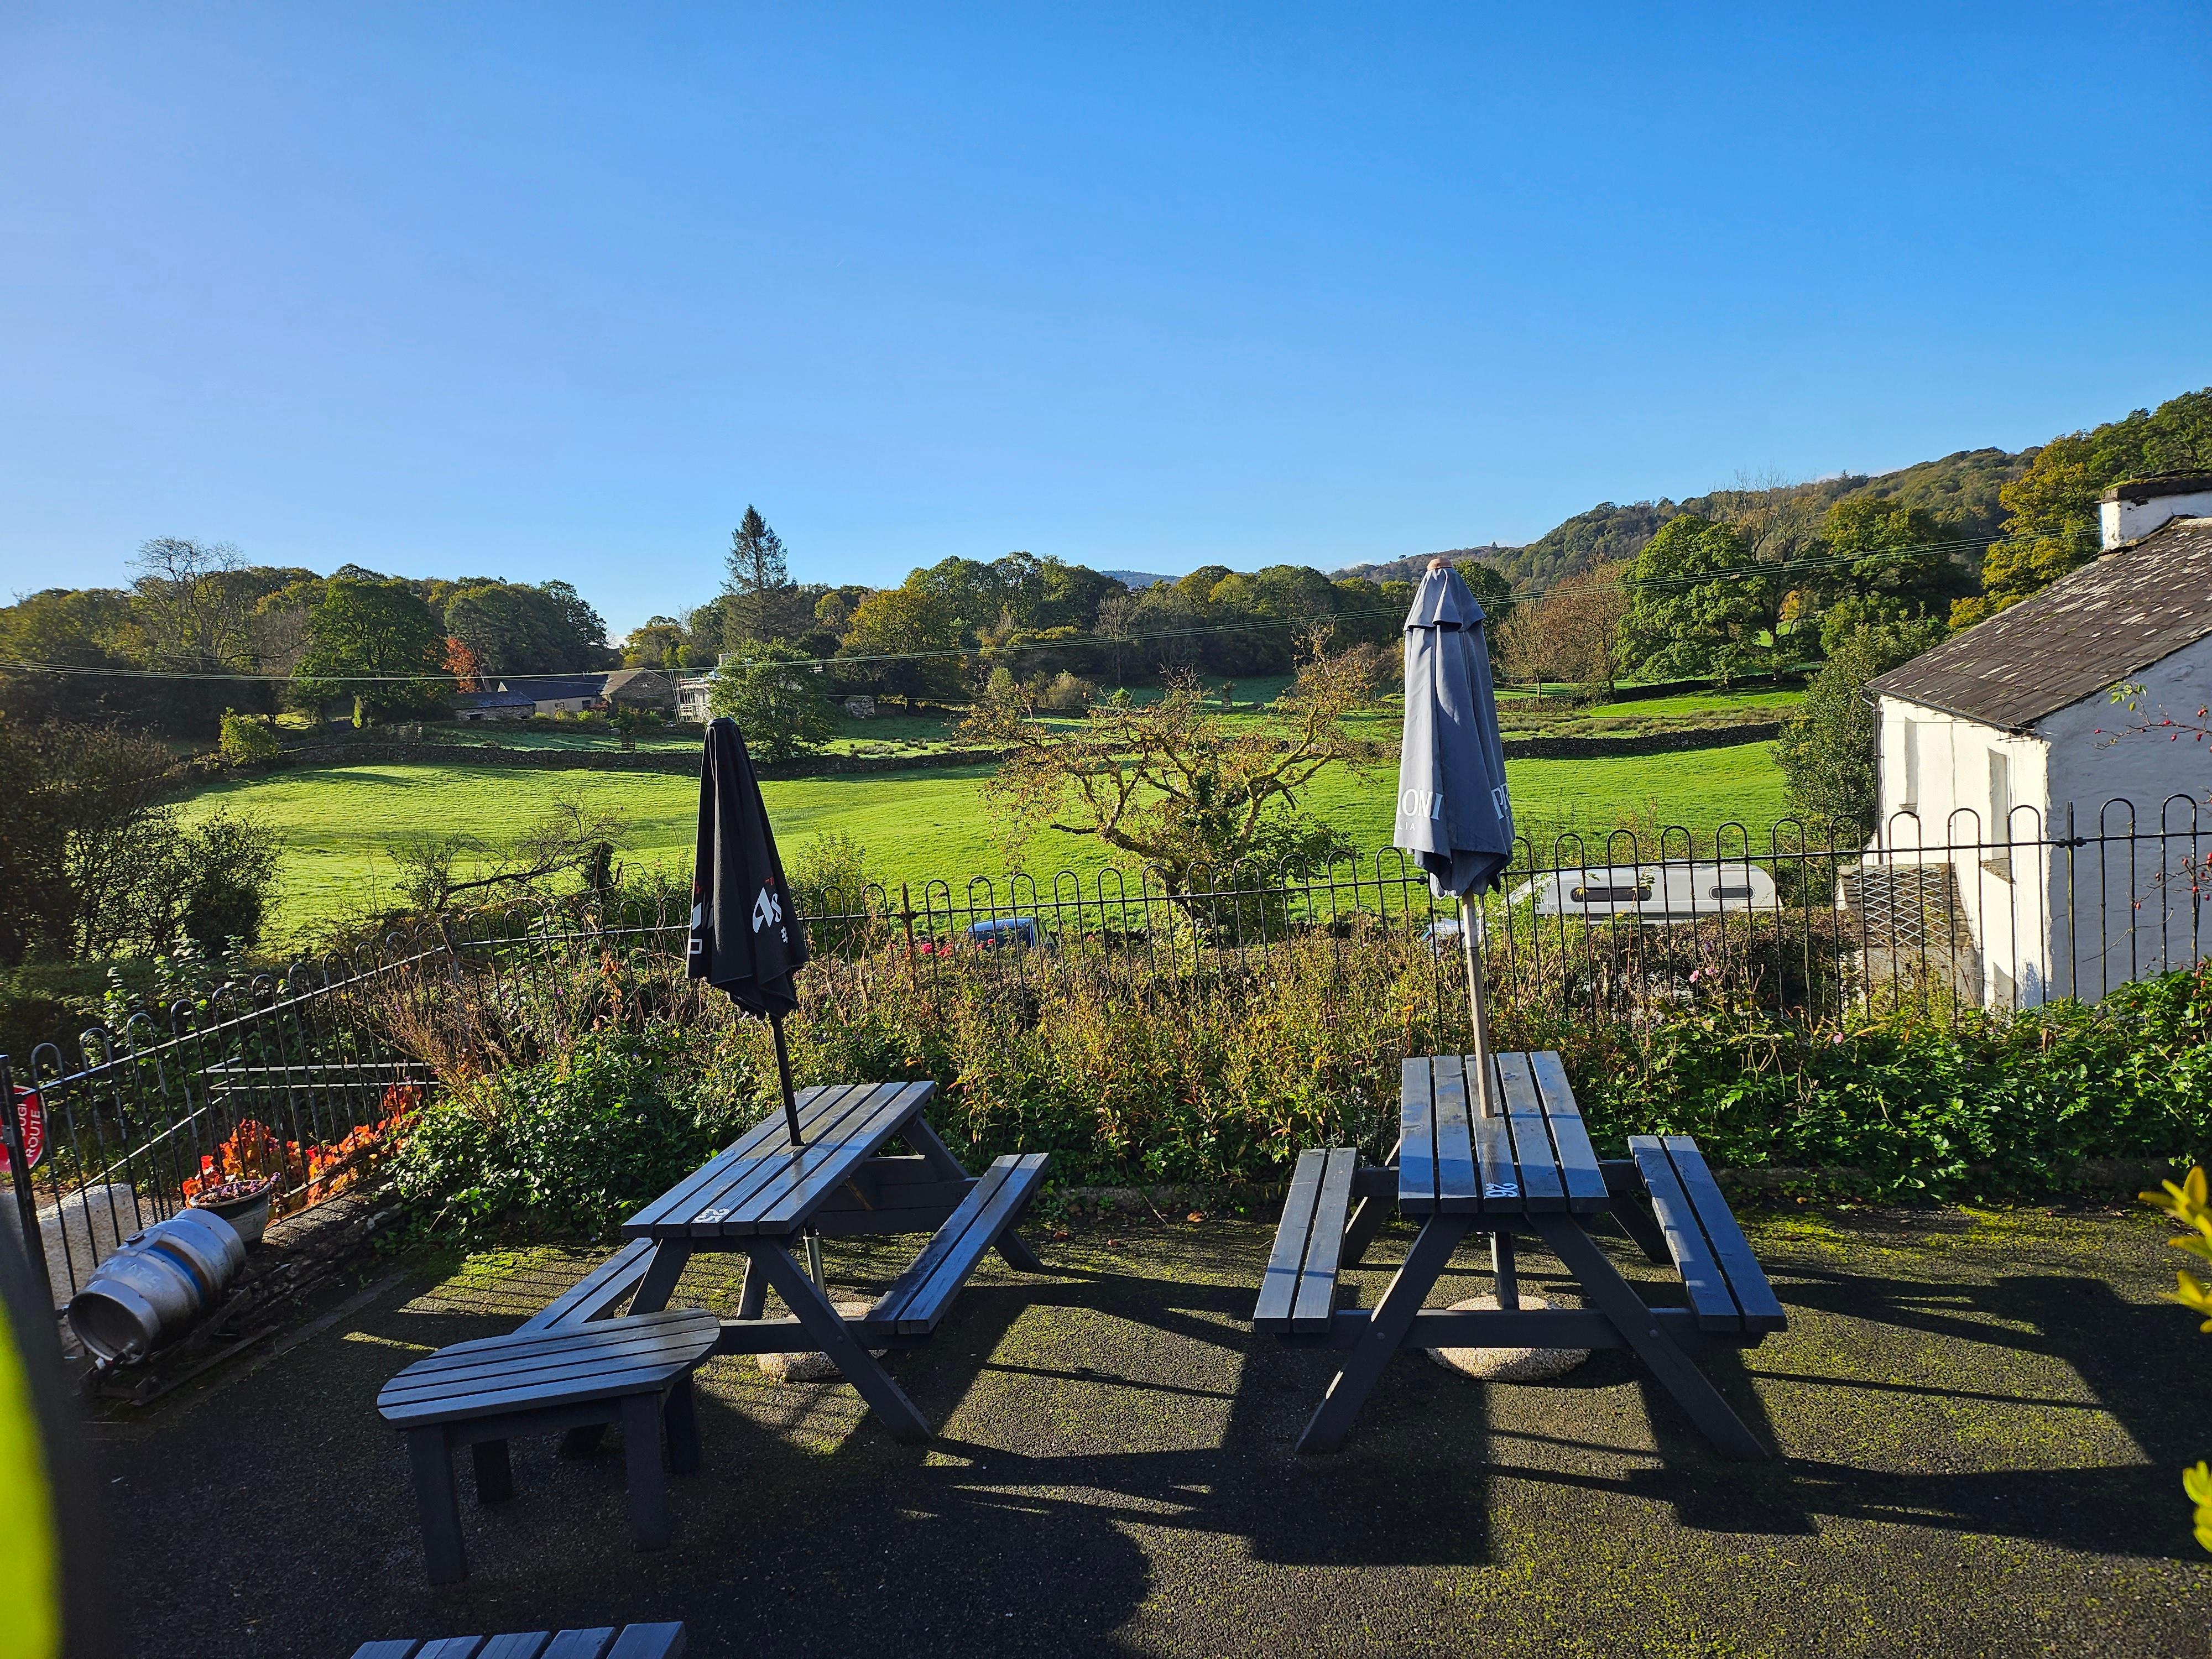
747 1180
1579 1162
1458 1191
1493 1153
784 1206
1417 1137
811 1101
1543 1189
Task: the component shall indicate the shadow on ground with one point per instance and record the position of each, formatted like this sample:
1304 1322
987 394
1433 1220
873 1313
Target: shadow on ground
1983 1418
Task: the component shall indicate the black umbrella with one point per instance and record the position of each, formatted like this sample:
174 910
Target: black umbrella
746 938
1454 813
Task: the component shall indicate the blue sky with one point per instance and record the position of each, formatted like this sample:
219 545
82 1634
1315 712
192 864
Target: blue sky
542 291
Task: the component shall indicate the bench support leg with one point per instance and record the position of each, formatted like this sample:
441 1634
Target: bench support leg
1617 1299
846 1352
682 1416
440 1510
1011 1245
583 1442
752 1297
1362 1368
647 1485
495 1474
1367 1220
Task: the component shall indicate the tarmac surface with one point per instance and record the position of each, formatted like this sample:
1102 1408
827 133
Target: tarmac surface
1984 1417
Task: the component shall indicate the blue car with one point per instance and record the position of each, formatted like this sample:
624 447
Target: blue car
1021 933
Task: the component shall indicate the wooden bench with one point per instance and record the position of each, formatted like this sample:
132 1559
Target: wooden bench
1728 1288
635 1372
919 1297
631 1642
1297 1295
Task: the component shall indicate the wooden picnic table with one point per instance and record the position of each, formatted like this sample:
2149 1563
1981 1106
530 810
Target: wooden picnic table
1527 1167
762 1195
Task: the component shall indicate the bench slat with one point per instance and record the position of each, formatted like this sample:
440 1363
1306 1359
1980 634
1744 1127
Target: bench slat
517 1644
580 1644
1279 1285
1316 1300
648 1642
1578 1159
1762 1309
1458 1190
546 1370
616 1276
598 1334
386 1650
921 1295
451 1647
1701 1274
1417 1137
1541 1187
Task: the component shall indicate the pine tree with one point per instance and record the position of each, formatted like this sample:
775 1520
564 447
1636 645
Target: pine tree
757 598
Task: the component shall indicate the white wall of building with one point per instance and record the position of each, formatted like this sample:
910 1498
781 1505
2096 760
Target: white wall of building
2079 921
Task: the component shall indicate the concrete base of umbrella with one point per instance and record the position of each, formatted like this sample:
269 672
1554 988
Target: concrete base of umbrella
813 1367
1508 1365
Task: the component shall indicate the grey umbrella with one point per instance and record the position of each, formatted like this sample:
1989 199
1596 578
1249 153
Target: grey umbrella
1454 813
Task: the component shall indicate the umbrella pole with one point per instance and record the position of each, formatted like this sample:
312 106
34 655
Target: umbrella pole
1470 931
783 1075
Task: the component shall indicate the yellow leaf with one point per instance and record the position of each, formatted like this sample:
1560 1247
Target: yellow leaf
2197 1483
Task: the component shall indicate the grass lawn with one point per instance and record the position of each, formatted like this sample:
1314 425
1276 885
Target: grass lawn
338 824
1982 1416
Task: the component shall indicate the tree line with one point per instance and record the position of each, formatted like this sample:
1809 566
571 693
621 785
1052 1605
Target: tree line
200 630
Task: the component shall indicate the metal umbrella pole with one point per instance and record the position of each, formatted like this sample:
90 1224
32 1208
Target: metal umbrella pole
791 1120
1471 927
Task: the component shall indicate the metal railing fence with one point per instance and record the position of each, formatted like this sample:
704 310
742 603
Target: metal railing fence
1620 927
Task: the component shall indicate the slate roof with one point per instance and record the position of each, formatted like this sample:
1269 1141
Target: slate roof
2116 616
493 700
550 688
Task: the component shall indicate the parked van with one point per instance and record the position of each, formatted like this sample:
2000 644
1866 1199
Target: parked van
1678 889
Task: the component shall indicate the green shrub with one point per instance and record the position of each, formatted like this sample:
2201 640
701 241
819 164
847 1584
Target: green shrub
246 742
565 1148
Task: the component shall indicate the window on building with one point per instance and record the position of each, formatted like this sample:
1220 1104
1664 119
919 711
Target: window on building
1999 862
1910 801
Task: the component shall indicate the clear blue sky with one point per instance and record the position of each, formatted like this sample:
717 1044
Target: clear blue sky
555 291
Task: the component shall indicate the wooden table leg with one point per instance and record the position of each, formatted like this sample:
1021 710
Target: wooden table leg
682 1416
1011 1245
1677 1373
495 1474
752 1298
659 1283
846 1351
1362 1368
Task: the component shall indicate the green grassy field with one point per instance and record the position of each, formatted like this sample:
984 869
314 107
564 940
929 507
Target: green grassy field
338 824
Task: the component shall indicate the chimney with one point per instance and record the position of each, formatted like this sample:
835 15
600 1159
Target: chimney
2133 509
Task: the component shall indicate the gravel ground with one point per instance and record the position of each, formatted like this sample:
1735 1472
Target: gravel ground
1984 1414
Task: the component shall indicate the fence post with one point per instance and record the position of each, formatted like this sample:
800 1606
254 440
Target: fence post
19 1167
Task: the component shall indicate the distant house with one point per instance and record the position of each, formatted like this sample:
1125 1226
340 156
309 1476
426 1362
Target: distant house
1998 758
560 694
640 688
493 706
692 694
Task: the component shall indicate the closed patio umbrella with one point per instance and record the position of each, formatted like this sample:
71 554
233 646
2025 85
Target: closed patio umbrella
745 938
1454 813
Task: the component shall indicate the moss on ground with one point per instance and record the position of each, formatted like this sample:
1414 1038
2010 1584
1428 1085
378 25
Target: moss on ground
1982 1414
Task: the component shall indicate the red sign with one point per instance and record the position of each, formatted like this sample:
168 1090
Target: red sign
30 1124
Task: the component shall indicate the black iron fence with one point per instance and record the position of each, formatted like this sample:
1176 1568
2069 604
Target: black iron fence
296 1074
